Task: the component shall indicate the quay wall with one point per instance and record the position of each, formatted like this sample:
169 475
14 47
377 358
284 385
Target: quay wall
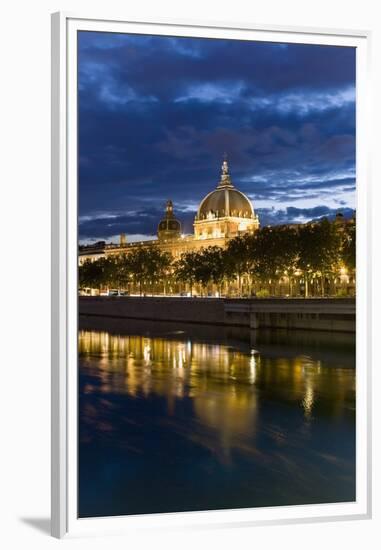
314 314
186 310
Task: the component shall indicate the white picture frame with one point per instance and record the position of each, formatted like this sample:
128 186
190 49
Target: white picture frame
64 277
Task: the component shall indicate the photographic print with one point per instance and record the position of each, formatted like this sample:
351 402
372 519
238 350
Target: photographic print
216 274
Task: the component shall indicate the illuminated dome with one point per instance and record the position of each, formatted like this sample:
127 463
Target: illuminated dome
169 227
225 200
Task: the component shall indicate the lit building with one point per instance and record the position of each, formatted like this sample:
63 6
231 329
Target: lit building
223 214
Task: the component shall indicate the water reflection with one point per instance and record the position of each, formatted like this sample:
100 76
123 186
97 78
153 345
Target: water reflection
139 365
245 407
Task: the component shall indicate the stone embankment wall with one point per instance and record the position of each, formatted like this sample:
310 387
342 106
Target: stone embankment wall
312 314
189 310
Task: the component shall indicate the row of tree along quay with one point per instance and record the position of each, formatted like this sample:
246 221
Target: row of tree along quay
314 259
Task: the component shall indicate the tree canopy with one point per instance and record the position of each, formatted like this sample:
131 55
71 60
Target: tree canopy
316 250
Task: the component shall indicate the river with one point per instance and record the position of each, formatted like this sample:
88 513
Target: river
191 417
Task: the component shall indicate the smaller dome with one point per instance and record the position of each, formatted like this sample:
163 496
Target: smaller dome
169 227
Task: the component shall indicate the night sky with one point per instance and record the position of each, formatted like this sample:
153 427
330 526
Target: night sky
157 114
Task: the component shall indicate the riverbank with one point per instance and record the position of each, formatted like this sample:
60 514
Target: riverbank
332 314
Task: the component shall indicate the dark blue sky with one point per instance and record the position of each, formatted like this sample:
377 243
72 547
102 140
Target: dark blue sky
156 115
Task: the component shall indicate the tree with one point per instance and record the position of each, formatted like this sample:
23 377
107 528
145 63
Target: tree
123 272
348 249
215 257
186 269
210 266
85 274
156 266
319 249
273 252
148 265
98 273
238 259
136 261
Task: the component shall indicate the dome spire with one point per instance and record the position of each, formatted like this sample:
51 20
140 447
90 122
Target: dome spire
225 176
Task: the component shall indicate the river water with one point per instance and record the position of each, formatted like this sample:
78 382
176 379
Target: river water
191 417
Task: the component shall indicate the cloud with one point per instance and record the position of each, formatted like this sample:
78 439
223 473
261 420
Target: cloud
211 93
271 216
156 115
142 224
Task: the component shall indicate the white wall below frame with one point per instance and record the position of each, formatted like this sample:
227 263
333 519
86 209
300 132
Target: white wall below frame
25 296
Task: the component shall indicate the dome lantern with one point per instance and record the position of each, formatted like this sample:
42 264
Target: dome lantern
225 176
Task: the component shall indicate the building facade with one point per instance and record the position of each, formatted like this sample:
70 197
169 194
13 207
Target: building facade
223 214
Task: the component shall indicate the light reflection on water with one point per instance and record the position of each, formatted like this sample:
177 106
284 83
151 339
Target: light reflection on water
265 409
